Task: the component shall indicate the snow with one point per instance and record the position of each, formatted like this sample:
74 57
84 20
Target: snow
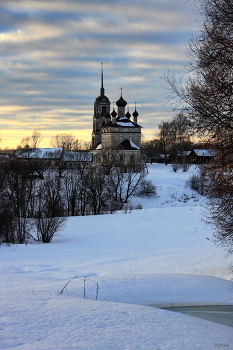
133 145
127 123
40 153
204 152
157 255
80 156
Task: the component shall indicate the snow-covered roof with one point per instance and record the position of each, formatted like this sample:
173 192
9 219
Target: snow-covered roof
133 145
128 123
122 122
204 152
78 156
127 145
163 155
39 153
99 146
4 156
186 153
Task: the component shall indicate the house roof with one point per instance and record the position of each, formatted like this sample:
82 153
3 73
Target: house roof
152 154
204 152
163 155
77 156
41 153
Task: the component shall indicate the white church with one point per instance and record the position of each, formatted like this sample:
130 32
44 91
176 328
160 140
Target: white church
115 131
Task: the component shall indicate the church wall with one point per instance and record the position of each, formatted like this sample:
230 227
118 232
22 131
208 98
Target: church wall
112 137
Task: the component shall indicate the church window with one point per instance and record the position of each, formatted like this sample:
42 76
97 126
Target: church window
131 157
103 110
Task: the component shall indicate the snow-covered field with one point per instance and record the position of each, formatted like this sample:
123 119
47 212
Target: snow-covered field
157 255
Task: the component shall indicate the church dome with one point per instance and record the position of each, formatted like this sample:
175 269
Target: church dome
114 113
135 113
128 115
102 98
121 102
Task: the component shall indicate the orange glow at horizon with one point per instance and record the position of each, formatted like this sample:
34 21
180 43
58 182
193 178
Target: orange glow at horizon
12 138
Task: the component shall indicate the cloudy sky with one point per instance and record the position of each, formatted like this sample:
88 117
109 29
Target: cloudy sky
51 54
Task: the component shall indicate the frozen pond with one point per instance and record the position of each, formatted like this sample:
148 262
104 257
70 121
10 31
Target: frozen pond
222 314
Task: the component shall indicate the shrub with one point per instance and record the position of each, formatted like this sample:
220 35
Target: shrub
147 188
199 182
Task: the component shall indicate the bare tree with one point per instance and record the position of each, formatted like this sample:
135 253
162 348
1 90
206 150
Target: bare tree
206 97
123 185
50 214
32 141
96 190
16 198
111 159
166 137
71 187
181 131
67 141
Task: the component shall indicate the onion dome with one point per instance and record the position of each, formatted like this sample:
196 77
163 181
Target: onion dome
114 113
128 115
121 102
135 114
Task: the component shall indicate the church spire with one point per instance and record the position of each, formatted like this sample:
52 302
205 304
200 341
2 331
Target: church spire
102 81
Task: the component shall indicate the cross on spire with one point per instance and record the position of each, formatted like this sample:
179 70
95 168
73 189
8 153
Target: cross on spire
121 88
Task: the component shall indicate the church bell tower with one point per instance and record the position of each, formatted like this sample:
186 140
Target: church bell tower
101 113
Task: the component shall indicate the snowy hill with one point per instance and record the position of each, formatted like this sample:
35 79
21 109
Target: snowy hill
157 255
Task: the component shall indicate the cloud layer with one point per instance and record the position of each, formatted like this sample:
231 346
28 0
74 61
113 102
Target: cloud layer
51 53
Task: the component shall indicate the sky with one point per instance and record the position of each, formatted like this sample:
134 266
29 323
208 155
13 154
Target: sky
51 55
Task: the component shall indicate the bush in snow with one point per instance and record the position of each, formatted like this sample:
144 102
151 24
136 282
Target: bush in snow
46 228
146 188
185 166
198 182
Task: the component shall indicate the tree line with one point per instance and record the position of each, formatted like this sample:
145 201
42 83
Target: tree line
34 207
173 138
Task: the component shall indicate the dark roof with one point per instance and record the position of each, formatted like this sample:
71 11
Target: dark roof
122 122
127 145
203 152
152 154
101 98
